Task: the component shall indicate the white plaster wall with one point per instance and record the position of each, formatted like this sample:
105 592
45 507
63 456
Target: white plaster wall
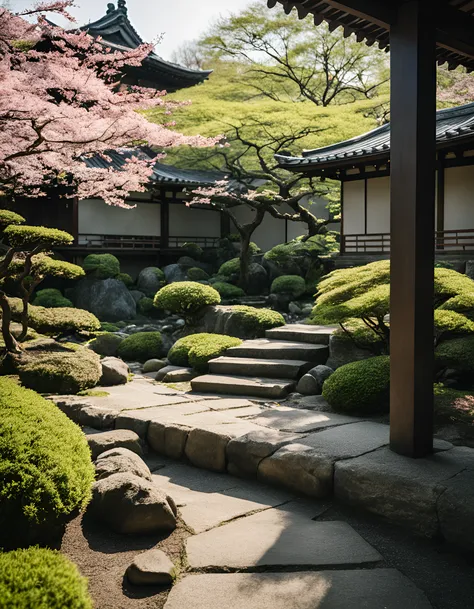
193 222
378 205
459 198
353 209
98 218
270 233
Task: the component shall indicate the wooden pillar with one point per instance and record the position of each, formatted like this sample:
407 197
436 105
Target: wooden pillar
225 225
75 220
413 162
165 222
440 200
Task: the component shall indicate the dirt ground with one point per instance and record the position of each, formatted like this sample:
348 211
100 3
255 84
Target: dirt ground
103 557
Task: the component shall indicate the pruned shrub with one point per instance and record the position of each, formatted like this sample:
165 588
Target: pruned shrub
457 354
227 290
106 344
462 303
186 298
41 579
46 472
106 326
197 350
8 217
103 266
197 274
146 307
229 268
51 298
192 250
60 320
292 285
21 236
125 278
141 347
60 372
361 387
254 322
450 323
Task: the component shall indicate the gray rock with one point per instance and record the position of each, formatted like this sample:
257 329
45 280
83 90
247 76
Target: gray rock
167 438
129 504
106 344
308 385
100 442
343 351
150 280
306 309
121 461
470 269
289 267
179 323
257 279
294 308
321 373
179 376
151 568
167 329
221 319
175 272
206 449
137 295
166 370
456 510
114 371
108 299
153 365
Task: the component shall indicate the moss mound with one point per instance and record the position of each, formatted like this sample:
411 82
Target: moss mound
229 268
293 285
103 266
255 321
106 344
197 274
106 326
360 387
146 307
41 579
186 297
46 472
457 354
60 320
51 298
197 349
141 347
227 290
60 372
193 250
125 278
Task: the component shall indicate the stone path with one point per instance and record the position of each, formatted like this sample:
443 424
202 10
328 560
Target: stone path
267 367
257 548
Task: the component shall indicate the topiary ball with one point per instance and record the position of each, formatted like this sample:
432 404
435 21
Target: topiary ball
41 579
197 350
46 472
229 268
293 285
106 344
253 322
51 298
141 347
361 387
186 297
197 274
102 266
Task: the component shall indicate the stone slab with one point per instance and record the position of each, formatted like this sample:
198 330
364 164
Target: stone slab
305 333
226 403
403 490
284 418
307 466
268 368
139 420
277 537
118 438
243 385
280 349
356 589
456 510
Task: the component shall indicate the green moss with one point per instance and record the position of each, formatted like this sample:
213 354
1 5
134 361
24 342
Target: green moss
125 278
231 267
141 347
103 266
60 372
60 320
254 322
193 250
186 297
454 407
457 354
94 393
282 254
293 285
360 387
106 326
106 344
10 217
43 265
146 307
197 349
51 298
197 274
357 331
20 236
227 290
41 579
46 472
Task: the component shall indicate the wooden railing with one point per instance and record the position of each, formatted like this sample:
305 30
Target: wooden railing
448 241
202 241
139 242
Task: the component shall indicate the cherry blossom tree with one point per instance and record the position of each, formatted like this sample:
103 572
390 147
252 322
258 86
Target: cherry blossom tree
61 101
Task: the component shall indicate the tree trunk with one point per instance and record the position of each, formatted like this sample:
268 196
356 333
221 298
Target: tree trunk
24 318
11 344
244 259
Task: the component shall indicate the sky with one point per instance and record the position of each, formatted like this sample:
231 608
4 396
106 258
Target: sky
178 20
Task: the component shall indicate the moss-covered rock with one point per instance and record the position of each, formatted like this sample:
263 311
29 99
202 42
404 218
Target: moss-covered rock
41 579
227 290
186 298
150 280
254 322
361 387
291 285
229 268
46 472
141 347
197 274
106 326
197 350
51 298
146 307
102 266
60 372
125 278
193 250
106 344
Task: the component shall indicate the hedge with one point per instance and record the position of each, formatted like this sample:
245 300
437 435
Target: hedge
227 290
293 285
103 266
51 298
186 297
60 371
197 349
360 387
46 472
37 578
255 321
106 344
141 347
20 236
60 320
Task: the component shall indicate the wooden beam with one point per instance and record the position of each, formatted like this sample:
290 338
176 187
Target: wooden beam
455 30
413 162
379 13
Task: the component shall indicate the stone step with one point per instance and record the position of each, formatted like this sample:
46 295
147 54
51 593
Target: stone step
304 333
241 385
264 348
268 368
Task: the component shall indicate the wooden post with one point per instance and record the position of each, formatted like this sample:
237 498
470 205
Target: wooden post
413 162
440 199
75 220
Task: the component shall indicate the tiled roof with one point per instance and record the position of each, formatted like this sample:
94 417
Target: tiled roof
453 125
162 173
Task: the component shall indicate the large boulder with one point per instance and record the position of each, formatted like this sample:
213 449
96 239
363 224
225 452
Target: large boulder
312 382
150 280
258 279
131 505
106 440
121 461
343 351
114 372
175 272
108 299
137 295
240 321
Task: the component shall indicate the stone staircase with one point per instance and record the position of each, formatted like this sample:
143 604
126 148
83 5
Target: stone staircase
267 367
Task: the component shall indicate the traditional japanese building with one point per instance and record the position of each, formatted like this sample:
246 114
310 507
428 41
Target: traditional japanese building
362 164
